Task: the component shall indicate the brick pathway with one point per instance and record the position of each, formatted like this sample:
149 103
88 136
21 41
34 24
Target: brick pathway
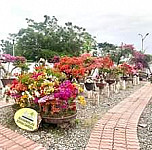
10 140
117 130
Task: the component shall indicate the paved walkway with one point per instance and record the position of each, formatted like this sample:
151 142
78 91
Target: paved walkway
10 140
117 130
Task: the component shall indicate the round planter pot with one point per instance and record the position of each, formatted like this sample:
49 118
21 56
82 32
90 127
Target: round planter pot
100 85
60 120
89 86
124 78
110 81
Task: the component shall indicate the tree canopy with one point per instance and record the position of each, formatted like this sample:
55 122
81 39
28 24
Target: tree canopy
46 39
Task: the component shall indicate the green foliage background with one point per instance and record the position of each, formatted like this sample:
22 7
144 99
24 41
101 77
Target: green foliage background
46 39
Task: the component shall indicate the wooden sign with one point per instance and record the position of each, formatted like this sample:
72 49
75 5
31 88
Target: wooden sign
27 118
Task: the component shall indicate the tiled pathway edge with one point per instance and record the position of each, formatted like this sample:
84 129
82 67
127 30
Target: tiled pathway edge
117 130
10 140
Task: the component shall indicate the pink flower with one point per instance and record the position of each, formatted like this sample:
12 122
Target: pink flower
8 58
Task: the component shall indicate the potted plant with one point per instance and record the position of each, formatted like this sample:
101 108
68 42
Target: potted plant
100 83
89 84
16 62
48 91
72 67
127 71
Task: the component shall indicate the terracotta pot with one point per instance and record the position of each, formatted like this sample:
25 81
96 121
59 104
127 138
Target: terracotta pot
110 81
7 81
100 85
60 120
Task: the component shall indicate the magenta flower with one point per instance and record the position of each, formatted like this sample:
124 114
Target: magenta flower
15 95
66 90
36 100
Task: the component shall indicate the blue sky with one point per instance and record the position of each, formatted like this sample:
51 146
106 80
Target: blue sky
113 21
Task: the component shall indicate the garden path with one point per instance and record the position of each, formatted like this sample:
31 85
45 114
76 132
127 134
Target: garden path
10 140
117 130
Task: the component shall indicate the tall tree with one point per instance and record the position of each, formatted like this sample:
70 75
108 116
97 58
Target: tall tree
7 46
46 39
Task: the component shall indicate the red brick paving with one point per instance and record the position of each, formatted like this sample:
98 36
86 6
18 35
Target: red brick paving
117 130
10 140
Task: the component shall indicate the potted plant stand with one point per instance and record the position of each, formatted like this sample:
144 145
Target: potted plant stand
110 82
101 86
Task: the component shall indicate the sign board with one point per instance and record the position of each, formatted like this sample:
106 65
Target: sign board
27 118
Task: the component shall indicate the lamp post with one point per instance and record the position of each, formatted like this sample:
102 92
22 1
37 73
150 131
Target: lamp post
13 48
142 41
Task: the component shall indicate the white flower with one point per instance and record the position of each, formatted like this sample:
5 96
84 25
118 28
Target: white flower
37 93
29 95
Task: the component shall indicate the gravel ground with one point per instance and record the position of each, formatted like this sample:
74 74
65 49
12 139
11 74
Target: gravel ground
75 136
145 128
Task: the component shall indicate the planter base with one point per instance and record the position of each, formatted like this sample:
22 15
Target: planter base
110 81
59 120
101 85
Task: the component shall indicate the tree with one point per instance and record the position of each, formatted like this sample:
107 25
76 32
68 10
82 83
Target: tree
116 53
46 39
7 47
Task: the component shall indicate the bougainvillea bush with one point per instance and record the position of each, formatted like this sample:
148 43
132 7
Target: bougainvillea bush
82 66
47 90
17 62
127 70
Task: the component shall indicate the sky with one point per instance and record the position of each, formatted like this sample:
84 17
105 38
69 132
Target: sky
112 21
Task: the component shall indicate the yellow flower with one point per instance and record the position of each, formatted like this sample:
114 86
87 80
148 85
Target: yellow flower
48 83
22 105
51 83
35 84
56 82
52 89
80 89
39 77
83 103
82 100
48 90
30 86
